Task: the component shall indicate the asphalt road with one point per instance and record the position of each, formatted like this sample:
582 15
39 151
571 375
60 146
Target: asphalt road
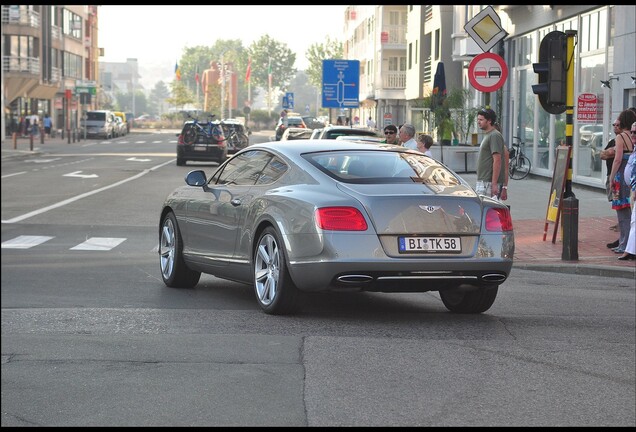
92 337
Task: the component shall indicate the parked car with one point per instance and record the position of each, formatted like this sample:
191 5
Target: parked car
126 127
292 121
99 124
312 122
332 132
289 219
587 131
145 120
596 145
120 127
294 133
204 148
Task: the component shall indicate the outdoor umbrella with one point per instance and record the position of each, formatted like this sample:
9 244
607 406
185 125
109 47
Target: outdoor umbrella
439 94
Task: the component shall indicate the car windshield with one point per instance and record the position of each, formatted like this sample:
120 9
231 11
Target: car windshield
382 166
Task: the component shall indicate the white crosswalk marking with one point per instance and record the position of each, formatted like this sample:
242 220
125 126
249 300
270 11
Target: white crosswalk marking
25 242
99 243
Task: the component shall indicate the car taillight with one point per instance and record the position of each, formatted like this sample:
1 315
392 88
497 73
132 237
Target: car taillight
340 219
498 219
180 140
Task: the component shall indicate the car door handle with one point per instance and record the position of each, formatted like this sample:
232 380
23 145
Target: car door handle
235 202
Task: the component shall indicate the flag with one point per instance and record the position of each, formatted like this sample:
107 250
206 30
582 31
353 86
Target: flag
269 73
197 79
177 71
248 72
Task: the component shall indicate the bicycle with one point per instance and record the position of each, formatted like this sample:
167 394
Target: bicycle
235 140
209 130
519 166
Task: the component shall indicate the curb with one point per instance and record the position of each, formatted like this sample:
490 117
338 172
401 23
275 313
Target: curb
579 269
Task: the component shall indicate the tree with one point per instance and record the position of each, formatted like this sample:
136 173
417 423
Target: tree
265 52
158 96
318 52
181 95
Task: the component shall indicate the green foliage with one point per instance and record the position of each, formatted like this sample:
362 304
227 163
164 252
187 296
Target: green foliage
181 95
454 116
318 52
266 50
123 102
263 116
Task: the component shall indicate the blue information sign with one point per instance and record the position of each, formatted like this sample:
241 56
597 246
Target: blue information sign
290 100
340 83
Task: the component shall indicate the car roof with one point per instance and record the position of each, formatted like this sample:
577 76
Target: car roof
291 147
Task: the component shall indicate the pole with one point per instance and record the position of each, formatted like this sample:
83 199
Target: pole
229 103
222 72
249 100
570 220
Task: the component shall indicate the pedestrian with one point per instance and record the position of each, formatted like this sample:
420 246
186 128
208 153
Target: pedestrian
424 144
630 178
490 166
620 189
370 123
390 134
607 154
503 187
35 124
48 124
407 136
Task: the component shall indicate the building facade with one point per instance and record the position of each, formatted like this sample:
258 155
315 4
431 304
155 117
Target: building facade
48 53
400 47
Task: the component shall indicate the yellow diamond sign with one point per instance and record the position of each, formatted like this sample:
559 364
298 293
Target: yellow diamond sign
485 29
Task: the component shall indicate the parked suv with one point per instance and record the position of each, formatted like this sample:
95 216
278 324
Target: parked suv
204 149
99 124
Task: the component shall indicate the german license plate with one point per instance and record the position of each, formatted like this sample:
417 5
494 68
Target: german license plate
429 244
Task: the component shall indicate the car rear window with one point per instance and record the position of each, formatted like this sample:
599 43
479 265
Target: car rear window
93 115
382 166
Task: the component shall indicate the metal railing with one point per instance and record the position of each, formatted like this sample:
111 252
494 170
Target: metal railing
20 15
21 64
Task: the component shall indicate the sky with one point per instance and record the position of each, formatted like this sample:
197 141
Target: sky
159 34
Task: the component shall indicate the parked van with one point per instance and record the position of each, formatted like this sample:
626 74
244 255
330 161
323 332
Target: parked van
99 124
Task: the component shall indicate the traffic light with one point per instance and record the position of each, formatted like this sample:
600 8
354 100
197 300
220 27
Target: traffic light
552 70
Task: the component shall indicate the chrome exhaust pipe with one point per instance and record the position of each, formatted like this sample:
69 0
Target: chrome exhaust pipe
493 277
355 279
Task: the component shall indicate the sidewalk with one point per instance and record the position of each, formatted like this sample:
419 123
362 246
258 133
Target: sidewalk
528 200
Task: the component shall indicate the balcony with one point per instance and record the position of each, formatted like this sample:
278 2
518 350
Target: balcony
22 16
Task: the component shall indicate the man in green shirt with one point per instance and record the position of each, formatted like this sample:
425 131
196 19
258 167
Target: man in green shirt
490 164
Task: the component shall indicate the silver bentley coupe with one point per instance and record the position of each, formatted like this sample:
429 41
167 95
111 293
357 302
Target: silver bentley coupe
293 217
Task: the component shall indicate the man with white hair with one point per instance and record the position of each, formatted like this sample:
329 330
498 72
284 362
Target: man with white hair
407 136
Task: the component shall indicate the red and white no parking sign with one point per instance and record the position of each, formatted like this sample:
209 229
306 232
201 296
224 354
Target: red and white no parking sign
487 72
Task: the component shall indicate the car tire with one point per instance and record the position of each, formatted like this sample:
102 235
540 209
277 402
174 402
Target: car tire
275 291
469 302
174 271
180 162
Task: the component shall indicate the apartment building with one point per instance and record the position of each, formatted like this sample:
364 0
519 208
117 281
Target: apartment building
49 63
400 48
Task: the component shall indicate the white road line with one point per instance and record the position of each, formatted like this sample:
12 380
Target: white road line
25 242
99 243
14 174
84 195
